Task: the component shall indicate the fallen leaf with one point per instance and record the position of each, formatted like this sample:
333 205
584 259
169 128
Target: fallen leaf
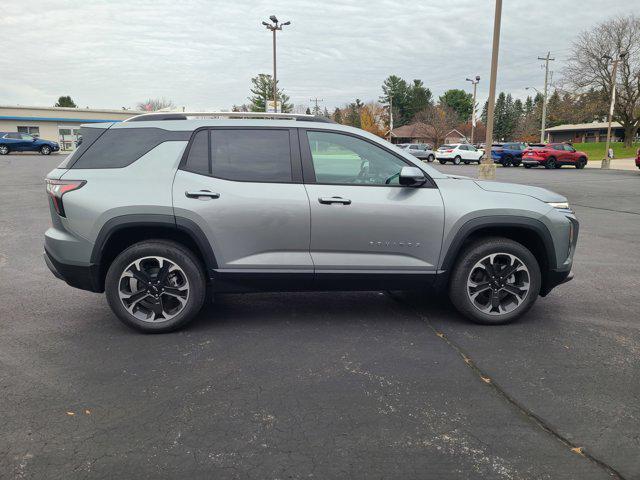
577 450
440 334
485 379
71 414
87 412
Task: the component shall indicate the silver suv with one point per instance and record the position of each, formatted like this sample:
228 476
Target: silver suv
162 209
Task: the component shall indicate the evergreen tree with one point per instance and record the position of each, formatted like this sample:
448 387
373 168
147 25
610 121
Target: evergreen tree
395 89
66 101
418 98
337 116
262 90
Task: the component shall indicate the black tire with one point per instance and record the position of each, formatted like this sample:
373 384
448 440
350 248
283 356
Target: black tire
516 163
442 162
507 161
580 164
430 158
175 253
550 163
526 165
4 150
456 160
45 150
464 268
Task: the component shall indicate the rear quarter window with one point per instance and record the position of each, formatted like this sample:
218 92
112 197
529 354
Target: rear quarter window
120 147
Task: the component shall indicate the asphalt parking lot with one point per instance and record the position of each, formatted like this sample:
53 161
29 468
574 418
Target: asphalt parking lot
326 385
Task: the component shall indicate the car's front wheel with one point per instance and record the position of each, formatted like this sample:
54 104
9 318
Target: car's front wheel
4 150
581 163
155 286
45 150
495 281
430 158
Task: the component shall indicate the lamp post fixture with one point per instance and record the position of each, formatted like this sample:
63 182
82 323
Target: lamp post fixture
474 82
274 26
606 161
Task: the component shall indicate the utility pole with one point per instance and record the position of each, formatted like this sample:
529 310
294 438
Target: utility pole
606 161
474 82
316 109
274 27
487 169
546 59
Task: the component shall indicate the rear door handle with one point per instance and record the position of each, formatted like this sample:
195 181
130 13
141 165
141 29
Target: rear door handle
330 200
201 193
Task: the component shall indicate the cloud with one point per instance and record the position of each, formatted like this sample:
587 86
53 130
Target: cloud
203 53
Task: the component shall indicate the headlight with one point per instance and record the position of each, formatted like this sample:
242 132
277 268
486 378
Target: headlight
561 206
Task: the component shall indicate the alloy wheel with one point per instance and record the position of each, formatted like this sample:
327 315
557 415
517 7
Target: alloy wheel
4 150
498 283
153 289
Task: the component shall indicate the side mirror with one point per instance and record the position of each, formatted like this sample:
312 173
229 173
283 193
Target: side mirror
412 177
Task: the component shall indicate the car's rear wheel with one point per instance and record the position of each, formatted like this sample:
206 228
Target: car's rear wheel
495 281
507 161
551 163
4 150
580 164
456 160
155 286
45 150
430 158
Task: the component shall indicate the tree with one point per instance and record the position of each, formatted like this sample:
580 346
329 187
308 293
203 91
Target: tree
337 116
440 119
394 90
372 116
65 101
588 67
308 111
262 91
155 104
418 98
460 101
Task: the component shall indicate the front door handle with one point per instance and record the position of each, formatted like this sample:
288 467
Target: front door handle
330 200
201 193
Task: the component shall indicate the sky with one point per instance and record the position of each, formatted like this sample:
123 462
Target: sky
203 54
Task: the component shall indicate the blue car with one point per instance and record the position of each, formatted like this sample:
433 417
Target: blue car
22 142
508 154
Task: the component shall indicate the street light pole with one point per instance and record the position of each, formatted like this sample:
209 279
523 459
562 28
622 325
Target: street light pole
274 27
474 82
606 161
487 169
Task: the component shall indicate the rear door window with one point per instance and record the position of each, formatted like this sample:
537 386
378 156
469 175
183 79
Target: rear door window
198 158
251 155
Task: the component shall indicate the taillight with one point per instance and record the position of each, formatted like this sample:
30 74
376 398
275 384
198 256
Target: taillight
448 151
57 188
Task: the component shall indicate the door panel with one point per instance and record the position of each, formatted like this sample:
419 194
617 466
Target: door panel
386 229
362 220
259 226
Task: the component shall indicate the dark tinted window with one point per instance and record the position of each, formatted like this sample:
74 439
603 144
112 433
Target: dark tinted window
198 159
87 137
15 136
119 147
251 155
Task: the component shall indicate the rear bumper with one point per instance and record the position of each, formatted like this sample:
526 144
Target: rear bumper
82 277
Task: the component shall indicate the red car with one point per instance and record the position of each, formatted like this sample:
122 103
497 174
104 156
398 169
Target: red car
638 158
553 155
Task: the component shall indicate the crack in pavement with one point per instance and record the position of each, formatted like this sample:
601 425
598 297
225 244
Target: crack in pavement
606 209
531 416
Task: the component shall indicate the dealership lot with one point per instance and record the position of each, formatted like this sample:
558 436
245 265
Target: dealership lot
326 385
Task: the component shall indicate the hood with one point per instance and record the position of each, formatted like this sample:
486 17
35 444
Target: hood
535 192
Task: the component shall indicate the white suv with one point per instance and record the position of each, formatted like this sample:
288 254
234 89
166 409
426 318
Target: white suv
459 152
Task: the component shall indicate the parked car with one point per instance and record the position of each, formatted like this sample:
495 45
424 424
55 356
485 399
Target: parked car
638 158
457 153
225 205
554 155
508 154
22 142
419 150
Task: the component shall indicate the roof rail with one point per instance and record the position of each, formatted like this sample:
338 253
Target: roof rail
154 116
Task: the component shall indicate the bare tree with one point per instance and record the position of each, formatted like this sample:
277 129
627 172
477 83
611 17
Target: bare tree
440 120
590 67
155 104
